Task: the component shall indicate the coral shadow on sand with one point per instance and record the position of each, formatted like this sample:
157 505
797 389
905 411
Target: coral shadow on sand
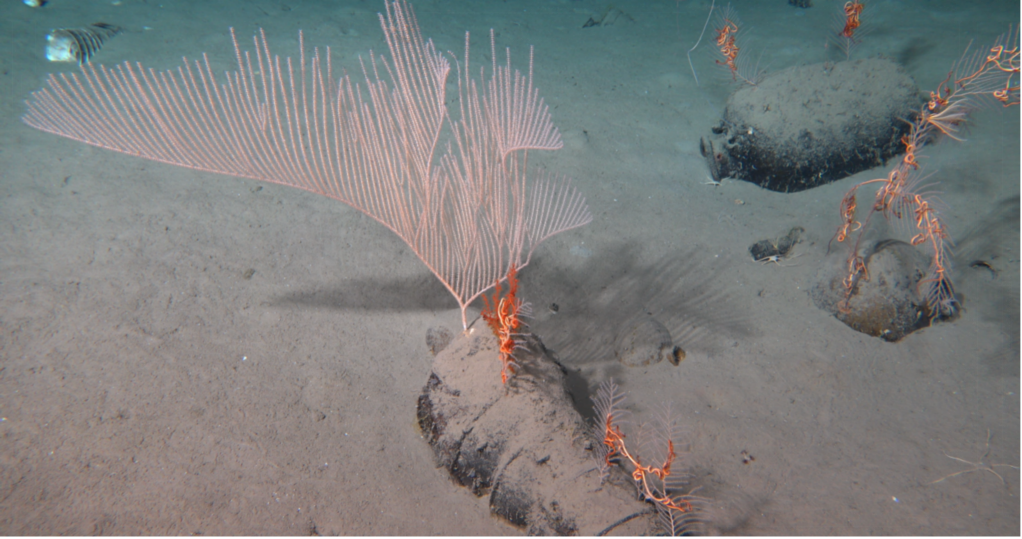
418 293
986 273
680 289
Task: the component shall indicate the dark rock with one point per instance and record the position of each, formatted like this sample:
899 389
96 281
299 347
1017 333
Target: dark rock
810 125
781 247
522 443
887 304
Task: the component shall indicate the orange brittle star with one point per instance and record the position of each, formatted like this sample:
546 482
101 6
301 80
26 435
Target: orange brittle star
614 439
852 12
503 317
728 48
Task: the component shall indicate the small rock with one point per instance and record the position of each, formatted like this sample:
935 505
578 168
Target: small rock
887 305
437 339
647 342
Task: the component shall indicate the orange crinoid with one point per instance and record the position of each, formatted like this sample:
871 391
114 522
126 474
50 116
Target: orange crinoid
503 315
990 74
614 439
661 480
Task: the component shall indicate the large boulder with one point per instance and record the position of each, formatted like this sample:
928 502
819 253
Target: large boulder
523 444
813 124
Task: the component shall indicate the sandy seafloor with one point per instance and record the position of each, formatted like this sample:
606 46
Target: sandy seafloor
146 386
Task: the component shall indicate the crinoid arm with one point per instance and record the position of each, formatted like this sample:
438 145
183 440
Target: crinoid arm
938 289
665 483
677 523
608 403
982 76
989 74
